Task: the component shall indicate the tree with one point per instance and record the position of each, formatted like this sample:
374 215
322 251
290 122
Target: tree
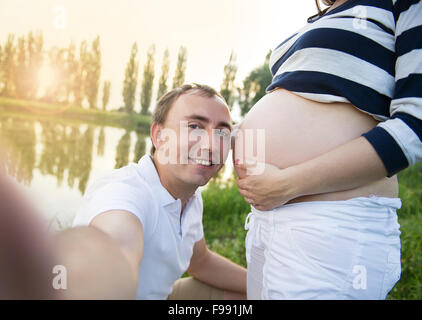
1 67
254 86
71 71
57 91
106 93
147 81
131 80
35 62
80 74
21 75
27 63
227 87
162 82
179 75
93 73
8 67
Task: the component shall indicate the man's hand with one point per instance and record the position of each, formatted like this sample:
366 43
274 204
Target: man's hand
218 271
26 253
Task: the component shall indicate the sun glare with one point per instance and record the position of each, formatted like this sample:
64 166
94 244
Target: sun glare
46 77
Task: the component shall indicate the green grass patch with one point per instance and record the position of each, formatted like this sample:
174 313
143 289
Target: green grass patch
410 219
225 212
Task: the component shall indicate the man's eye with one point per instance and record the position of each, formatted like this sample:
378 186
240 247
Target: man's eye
193 126
223 133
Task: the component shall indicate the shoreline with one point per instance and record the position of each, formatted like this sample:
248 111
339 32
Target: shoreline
41 110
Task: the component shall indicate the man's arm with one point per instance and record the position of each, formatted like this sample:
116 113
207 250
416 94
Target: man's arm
102 260
126 229
217 271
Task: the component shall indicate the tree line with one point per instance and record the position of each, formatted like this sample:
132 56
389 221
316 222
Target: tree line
78 71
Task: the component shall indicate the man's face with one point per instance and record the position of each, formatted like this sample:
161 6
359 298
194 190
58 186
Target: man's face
202 126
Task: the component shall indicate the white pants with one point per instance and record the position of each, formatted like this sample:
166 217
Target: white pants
324 250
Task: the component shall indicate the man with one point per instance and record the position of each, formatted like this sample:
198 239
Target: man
140 227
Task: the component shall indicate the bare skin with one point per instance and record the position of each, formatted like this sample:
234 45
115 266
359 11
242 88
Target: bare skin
102 260
26 252
305 130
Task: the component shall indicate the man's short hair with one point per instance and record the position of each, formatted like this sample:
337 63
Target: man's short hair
167 100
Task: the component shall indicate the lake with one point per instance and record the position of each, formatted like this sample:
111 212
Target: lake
55 161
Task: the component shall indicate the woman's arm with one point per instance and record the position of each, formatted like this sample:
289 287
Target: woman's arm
390 147
351 165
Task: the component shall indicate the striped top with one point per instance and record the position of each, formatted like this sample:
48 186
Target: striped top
368 53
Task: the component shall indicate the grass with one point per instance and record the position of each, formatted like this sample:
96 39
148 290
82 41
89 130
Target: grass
36 110
410 219
225 212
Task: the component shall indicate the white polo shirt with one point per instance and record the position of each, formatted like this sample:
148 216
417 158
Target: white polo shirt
168 242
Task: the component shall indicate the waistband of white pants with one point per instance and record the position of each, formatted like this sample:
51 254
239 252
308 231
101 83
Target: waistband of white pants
373 206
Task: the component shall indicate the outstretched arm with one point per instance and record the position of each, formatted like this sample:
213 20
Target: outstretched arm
102 260
99 260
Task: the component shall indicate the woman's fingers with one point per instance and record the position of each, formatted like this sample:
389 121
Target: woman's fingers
250 201
243 184
247 194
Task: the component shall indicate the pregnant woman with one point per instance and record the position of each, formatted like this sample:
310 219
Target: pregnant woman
342 116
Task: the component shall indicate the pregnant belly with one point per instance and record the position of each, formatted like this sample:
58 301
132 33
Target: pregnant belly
297 129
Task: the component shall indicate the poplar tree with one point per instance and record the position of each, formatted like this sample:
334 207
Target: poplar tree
179 75
147 81
1 68
36 60
27 63
80 74
93 73
8 67
71 70
57 91
162 82
227 87
21 75
131 80
254 86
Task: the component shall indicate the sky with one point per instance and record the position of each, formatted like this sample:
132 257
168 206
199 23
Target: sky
209 29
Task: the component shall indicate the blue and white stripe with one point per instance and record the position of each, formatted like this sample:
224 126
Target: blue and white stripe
368 53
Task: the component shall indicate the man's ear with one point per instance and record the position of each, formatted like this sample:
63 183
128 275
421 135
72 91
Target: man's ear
155 134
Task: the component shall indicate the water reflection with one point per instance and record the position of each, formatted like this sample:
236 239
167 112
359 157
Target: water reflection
64 151
101 142
123 148
55 161
67 148
21 144
140 147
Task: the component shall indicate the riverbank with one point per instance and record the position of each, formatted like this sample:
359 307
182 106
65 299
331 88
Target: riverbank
36 109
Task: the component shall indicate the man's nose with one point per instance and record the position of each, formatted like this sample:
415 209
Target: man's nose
205 140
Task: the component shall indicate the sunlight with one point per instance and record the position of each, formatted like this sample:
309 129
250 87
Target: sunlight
46 77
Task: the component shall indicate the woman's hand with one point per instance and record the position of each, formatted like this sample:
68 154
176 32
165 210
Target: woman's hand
346 167
267 187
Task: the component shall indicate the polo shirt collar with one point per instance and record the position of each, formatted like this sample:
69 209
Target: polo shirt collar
150 174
